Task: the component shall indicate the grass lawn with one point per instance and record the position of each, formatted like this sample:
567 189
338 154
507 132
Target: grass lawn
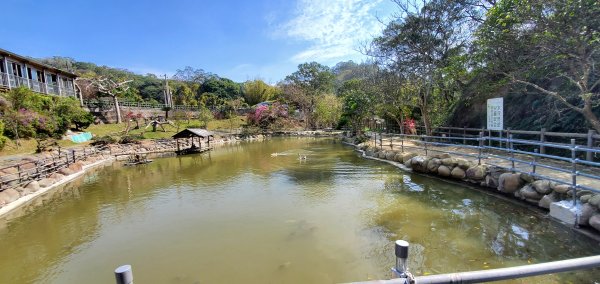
28 146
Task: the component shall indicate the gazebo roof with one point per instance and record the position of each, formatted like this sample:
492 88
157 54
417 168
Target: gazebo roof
193 132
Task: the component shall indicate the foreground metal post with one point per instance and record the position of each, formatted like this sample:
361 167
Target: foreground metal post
124 275
401 251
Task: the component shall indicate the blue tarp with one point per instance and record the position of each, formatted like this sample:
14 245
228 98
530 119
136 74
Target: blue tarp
82 137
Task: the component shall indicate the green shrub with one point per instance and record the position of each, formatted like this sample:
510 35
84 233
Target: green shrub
28 114
103 140
194 125
128 139
2 138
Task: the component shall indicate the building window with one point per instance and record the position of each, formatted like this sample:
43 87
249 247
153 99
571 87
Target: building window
40 76
50 78
16 69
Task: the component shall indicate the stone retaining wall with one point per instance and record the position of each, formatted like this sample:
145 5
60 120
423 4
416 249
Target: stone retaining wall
541 193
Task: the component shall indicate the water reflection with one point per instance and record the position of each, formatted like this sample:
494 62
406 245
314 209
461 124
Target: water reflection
330 218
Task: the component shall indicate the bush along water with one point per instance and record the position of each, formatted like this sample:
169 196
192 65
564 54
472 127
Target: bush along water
25 114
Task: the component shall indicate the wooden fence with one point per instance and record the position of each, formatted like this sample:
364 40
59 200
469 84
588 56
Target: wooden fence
24 172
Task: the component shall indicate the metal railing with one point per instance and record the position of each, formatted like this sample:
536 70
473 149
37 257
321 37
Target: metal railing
403 276
108 103
12 81
507 152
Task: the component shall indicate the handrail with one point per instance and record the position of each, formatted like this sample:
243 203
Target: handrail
506 154
403 275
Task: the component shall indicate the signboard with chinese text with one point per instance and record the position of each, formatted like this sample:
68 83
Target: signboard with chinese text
495 114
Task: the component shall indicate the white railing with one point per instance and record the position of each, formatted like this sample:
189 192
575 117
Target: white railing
12 81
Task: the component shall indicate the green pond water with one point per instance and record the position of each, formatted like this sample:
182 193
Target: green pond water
239 214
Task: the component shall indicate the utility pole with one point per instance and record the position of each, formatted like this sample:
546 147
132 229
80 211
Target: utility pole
168 98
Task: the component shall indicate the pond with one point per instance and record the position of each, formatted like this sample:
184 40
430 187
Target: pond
241 214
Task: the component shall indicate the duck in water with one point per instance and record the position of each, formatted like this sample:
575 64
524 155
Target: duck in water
301 157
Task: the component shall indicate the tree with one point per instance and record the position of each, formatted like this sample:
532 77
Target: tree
257 91
189 74
221 87
328 110
304 85
111 88
205 115
185 95
418 45
556 45
358 102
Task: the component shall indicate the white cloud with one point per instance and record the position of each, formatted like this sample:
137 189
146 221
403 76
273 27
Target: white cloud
334 29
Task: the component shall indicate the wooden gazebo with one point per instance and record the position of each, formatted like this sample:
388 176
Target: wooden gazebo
193 133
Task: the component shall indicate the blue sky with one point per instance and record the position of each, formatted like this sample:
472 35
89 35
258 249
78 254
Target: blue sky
240 40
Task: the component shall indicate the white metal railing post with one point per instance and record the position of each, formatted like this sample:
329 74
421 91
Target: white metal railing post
401 252
512 153
480 147
574 170
124 274
543 140
402 142
534 164
590 144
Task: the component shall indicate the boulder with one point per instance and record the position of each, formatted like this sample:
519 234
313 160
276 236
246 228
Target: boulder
13 193
381 155
463 163
419 164
595 221
56 176
547 200
433 165
527 178
390 156
594 200
561 188
509 182
407 156
76 167
542 186
46 182
528 192
586 198
23 191
65 171
449 162
4 198
477 172
584 192
444 171
33 186
490 181
587 211
398 158
408 163
458 173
